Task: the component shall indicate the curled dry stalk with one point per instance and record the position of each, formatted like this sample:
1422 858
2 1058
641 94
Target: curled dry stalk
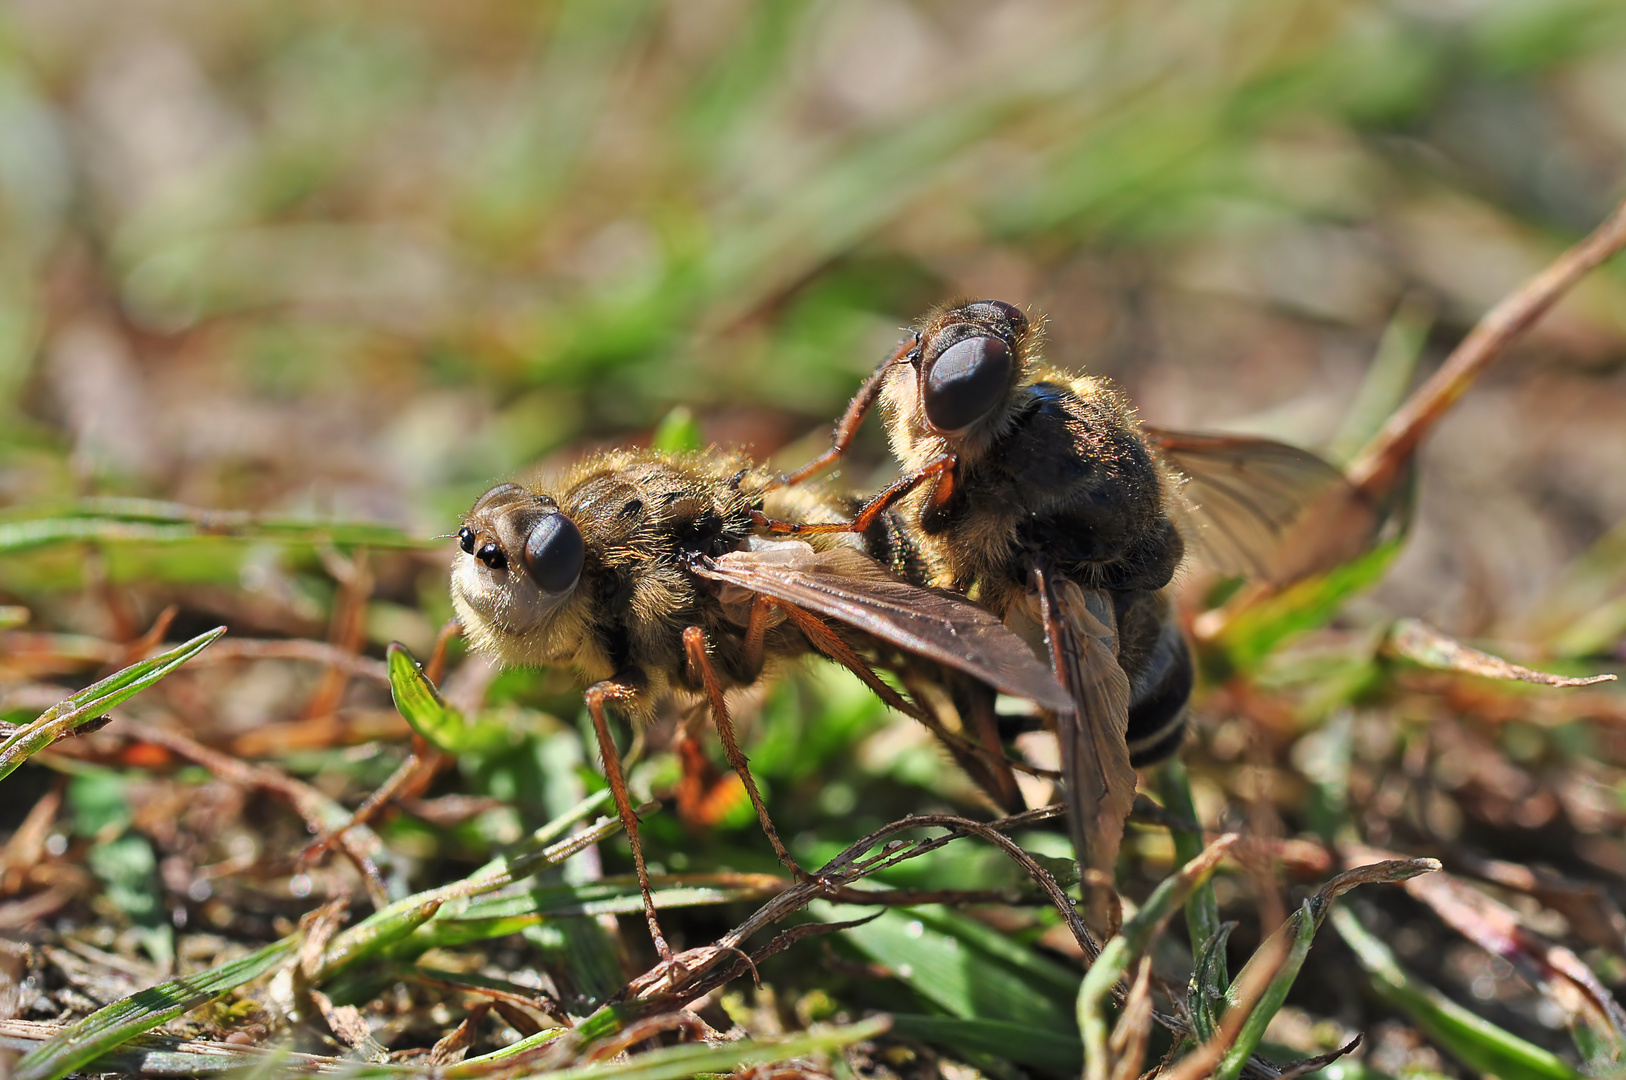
700 970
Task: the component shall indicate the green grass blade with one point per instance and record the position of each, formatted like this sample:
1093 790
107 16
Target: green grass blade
1387 378
1128 944
421 705
1309 604
953 972
677 433
370 937
677 1062
673 1063
1202 909
94 700
142 521
103 1030
1205 995
1303 925
375 934
1023 1044
1472 1040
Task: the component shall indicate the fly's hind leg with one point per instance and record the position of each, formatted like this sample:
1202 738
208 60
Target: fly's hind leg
621 688
702 671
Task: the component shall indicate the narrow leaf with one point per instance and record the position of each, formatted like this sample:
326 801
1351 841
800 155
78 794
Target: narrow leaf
1476 1042
1023 1044
677 433
87 704
420 704
1202 909
953 972
83 1042
678 1062
1127 945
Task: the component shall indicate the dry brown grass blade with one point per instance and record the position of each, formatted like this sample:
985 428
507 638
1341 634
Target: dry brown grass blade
1134 1028
1245 993
1319 1062
455 1043
360 844
1382 460
1593 915
1422 644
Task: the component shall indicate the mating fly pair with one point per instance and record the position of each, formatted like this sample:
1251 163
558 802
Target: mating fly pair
648 572
1038 494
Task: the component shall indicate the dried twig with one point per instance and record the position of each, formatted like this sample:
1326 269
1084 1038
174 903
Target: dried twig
1381 460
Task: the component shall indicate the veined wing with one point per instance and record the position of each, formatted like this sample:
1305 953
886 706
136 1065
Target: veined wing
1257 507
846 585
1097 776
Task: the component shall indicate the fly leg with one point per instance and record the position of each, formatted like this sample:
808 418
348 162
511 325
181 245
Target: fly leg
700 797
702 671
975 704
941 470
620 688
985 767
847 427
828 642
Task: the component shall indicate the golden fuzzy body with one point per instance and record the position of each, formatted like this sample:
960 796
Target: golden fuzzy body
639 514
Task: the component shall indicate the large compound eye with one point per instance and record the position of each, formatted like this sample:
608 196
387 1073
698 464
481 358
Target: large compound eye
966 382
553 553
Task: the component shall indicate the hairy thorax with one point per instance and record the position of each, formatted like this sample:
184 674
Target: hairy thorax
1061 469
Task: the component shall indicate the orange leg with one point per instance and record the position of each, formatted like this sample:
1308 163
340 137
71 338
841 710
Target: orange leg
975 704
828 642
694 644
437 658
597 695
941 469
697 776
847 428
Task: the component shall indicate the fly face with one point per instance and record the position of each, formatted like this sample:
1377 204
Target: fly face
520 560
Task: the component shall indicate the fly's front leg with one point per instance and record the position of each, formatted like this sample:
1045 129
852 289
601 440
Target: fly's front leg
623 687
942 470
847 427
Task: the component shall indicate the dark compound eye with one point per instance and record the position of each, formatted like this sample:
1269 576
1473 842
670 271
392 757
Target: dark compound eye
465 539
966 382
553 553
491 555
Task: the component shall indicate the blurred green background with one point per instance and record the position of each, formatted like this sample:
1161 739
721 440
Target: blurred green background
365 259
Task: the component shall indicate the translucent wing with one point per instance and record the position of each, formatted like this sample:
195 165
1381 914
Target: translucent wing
846 585
1097 776
1247 501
